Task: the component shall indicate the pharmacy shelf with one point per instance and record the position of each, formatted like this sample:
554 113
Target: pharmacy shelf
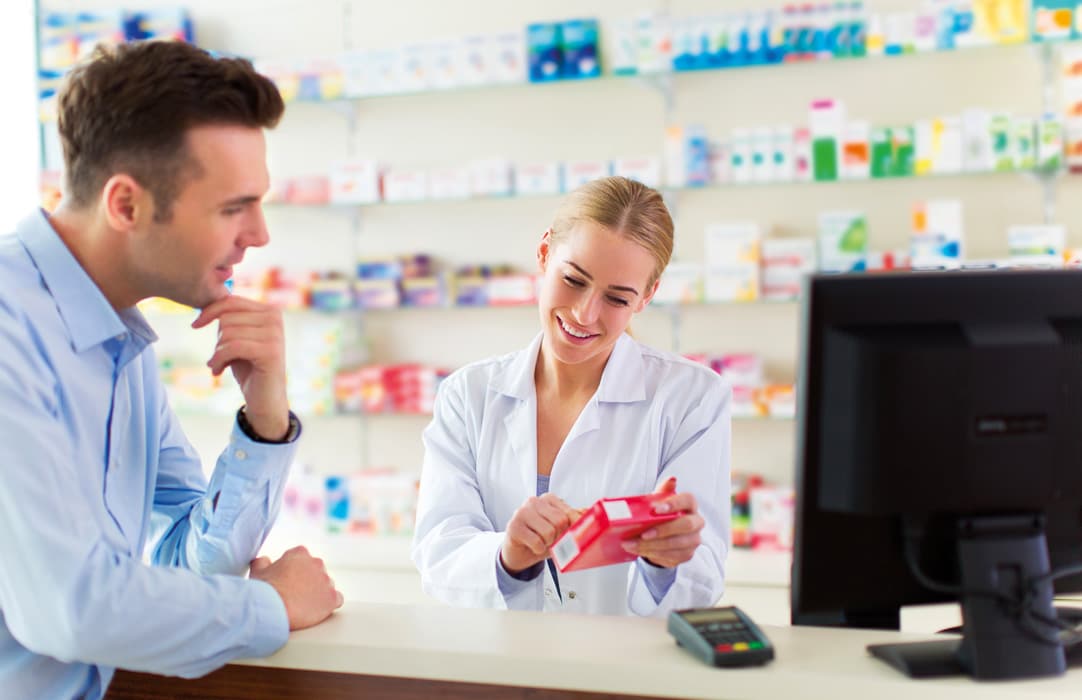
927 177
428 416
417 416
153 315
391 553
667 75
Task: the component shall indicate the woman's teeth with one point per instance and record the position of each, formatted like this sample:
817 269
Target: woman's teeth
571 331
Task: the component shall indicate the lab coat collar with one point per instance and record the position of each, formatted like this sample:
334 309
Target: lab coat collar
516 379
621 381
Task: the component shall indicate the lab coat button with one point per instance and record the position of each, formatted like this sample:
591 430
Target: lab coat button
241 455
548 592
571 595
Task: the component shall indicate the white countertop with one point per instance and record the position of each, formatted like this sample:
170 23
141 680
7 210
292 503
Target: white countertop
392 552
614 655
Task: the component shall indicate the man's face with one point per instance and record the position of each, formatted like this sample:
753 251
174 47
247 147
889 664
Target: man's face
215 218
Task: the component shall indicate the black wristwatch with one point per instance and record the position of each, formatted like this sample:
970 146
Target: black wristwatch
292 434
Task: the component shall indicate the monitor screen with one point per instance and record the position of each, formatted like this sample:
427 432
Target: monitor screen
929 402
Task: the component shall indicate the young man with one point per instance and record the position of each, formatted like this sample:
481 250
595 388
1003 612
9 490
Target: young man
165 168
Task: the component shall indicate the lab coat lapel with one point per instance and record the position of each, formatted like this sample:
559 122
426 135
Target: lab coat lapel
517 386
521 425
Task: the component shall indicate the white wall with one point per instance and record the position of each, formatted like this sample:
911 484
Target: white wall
599 119
18 120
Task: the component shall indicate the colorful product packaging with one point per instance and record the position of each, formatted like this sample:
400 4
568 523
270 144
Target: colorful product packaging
579 47
937 239
843 241
595 539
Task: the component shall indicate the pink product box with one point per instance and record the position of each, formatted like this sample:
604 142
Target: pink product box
511 290
403 185
311 189
347 391
491 177
597 537
718 156
449 183
785 263
474 56
423 291
538 178
579 172
376 293
645 170
793 253
443 65
745 402
356 182
772 518
743 370
287 298
507 52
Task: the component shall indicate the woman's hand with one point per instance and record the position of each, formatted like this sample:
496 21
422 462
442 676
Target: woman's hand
674 542
533 529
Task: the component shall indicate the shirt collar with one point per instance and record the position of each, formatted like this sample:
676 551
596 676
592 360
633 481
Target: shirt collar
86 313
621 381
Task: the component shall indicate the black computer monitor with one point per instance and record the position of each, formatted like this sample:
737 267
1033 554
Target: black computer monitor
939 458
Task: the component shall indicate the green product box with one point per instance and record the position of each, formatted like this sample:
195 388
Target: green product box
1002 143
1025 146
843 241
902 151
825 158
1049 144
882 155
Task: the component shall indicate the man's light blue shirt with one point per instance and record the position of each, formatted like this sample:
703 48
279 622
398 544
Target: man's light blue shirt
95 476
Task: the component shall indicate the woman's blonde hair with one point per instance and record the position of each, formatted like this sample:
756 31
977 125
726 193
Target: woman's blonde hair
626 207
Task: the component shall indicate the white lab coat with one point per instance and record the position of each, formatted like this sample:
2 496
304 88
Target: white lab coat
654 415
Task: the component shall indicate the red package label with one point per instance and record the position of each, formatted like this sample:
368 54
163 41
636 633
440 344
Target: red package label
595 538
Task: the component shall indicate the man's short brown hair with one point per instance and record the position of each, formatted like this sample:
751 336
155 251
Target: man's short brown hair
129 108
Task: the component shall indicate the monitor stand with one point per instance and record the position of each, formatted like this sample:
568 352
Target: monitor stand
1001 638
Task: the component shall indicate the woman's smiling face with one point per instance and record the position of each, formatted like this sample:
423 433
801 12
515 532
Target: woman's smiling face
594 280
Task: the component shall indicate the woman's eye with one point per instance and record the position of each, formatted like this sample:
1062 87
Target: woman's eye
618 301
574 282
231 211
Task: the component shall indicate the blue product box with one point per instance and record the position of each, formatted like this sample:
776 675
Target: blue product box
337 502
578 39
697 154
165 23
1054 20
544 53
686 49
379 269
471 290
376 294
422 291
58 40
106 27
332 295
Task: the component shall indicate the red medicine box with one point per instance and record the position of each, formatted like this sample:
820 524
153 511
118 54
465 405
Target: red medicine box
594 539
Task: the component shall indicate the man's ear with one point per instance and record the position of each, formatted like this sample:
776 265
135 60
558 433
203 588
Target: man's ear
543 250
125 202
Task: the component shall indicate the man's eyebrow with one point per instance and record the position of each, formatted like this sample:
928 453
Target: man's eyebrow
588 276
237 201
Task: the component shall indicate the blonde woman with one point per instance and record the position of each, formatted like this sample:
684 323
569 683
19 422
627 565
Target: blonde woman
519 444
